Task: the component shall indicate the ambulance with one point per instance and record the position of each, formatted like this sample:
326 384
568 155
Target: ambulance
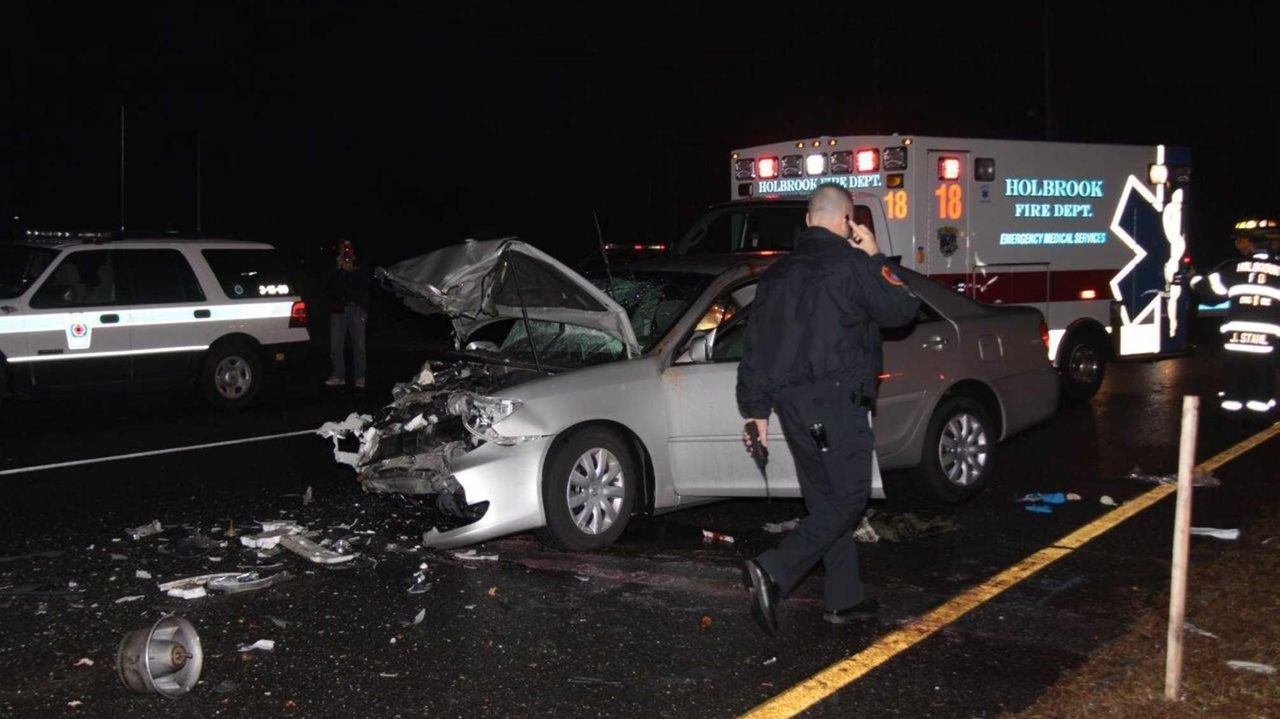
1092 235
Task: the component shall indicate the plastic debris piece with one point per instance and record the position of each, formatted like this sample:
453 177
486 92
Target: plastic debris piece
780 527
130 598
307 496
705 623
1198 631
473 555
193 587
263 645
1073 497
1107 501
269 539
469 607
419 583
1046 498
1228 534
710 536
279 622
388 675
770 661
85 662
1256 667
74 703
417 619
146 530
493 591
272 525
247 582
142 574
594 681
1199 478
309 550
864 532
1039 508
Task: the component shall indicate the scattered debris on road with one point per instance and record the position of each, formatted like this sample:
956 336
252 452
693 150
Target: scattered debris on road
262 645
85 662
472 555
1255 667
780 527
1227 534
864 532
419 584
1107 501
1199 478
151 528
710 536
1198 631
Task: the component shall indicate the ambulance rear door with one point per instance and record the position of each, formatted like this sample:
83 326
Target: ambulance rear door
945 245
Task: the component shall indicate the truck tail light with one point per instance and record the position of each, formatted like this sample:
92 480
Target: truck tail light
1044 335
767 168
868 160
298 314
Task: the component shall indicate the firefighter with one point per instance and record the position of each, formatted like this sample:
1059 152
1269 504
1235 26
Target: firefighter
813 355
1251 331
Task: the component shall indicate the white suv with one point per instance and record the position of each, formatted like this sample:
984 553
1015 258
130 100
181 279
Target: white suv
152 312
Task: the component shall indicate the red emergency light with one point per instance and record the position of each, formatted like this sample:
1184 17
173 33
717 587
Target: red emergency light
298 314
948 168
867 160
767 168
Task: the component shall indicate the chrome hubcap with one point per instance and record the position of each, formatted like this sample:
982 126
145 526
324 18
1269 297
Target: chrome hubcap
1084 364
595 491
233 377
962 449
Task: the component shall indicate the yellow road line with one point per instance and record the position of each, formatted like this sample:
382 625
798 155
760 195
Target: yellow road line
844 672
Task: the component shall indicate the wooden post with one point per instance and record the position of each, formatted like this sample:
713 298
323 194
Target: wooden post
1181 548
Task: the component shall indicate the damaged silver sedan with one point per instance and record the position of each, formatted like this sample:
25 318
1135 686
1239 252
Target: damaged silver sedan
568 405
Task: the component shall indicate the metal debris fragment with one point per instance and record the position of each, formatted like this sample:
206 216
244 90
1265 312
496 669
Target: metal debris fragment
1227 534
473 555
146 530
85 662
246 582
770 661
419 583
141 574
417 619
313 552
263 645
780 527
130 598
165 658
1255 667
1198 631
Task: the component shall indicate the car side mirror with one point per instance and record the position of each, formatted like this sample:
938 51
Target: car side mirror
700 348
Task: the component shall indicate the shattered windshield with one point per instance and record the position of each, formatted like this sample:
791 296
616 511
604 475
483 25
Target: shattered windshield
562 344
653 300
20 266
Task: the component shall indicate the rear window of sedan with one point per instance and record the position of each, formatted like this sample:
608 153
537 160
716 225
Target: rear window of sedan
250 274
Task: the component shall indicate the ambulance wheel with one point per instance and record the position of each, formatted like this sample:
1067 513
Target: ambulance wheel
588 489
231 375
959 452
1082 362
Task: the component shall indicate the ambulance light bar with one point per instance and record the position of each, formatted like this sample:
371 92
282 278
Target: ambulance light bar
792 165
767 168
868 160
948 168
842 162
744 169
895 159
815 164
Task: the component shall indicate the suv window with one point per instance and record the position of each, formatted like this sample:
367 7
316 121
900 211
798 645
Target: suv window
82 279
244 274
161 276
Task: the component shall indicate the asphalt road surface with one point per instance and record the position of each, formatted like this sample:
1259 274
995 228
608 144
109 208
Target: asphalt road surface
657 625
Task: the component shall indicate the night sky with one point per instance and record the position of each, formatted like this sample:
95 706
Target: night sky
414 125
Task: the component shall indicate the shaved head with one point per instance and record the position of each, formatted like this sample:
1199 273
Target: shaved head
830 206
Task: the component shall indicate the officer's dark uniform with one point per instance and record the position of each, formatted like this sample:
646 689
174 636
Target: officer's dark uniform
1251 330
813 354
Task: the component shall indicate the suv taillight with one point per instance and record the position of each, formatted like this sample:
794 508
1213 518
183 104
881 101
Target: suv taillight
1044 335
298 314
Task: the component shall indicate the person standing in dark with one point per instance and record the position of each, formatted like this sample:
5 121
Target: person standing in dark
347 288
813 355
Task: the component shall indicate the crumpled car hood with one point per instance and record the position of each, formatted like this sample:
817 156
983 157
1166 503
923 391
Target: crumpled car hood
476 283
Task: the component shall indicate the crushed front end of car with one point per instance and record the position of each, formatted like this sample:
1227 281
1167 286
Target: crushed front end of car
430 434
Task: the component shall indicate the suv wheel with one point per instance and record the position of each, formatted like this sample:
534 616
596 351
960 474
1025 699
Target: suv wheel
231 376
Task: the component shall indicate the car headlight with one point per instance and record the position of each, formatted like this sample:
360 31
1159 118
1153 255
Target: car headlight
479 413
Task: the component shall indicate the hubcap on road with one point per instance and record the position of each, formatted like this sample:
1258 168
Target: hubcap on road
233 377
962 449
595 491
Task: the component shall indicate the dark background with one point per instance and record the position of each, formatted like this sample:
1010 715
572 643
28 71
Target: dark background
413 125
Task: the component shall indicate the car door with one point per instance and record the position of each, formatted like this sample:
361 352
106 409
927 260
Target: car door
80 325
918 361
705 429
169 313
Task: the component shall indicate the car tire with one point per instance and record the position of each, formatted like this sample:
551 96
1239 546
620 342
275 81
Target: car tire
1082 362
959 452
231 375
589 487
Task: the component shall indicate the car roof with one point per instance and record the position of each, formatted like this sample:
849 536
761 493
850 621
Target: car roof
140 242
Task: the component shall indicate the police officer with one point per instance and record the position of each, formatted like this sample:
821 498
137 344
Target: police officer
813 355
1252 327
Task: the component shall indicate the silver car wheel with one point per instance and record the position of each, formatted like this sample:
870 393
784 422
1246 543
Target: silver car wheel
595 491
233 377
1083 364
962 449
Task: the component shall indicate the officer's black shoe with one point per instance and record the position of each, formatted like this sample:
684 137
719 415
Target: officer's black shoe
866 608
764 596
